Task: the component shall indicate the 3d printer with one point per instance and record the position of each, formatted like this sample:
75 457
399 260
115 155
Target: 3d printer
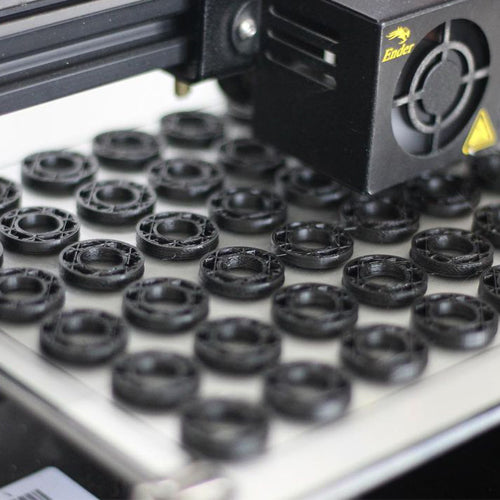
370 93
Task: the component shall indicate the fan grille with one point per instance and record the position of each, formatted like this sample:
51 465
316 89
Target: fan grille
441 87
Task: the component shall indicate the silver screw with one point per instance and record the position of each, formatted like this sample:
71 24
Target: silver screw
247 29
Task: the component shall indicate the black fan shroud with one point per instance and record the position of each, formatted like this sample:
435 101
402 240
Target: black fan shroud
441 87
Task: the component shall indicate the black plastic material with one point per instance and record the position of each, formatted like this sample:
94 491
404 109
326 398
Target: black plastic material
104 336
240 112
176 236
444 194
117 203
237 345
219 273
38 230
250 158
339 310
245 427
307 391
295 245
452 253
307 188
380 219
455 321
185 179
125 149
101 265
10 195
144 304
131 380
486 168
247 210
42 294
58 172
192 129
487 223
384 353
385 281
489 287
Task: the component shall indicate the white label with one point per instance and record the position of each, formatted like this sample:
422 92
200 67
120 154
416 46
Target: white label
48 484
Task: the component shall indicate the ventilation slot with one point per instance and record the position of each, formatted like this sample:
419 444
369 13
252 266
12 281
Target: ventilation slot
301 48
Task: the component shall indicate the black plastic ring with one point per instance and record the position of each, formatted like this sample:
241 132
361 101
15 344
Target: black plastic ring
445 195
312 245
237 345
242 113
58 172
224 429
455 321
384 353
125 149
307 391
192 129
247 210
114 202
185 179
250 158
220 273
381 220
104 336
176 379
176 236
487 223
10 195
42 294
339 310
486 168
489 287
307 188
38 230
144 304
436 251
101 265
384 280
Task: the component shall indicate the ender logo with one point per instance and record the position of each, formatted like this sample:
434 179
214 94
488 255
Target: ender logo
403 34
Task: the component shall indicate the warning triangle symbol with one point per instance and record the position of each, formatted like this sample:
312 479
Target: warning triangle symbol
482 135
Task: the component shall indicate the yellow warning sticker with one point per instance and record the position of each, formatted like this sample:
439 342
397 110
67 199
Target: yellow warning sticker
482 135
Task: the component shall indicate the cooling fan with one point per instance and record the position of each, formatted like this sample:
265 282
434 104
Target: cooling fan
375 93
441 87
